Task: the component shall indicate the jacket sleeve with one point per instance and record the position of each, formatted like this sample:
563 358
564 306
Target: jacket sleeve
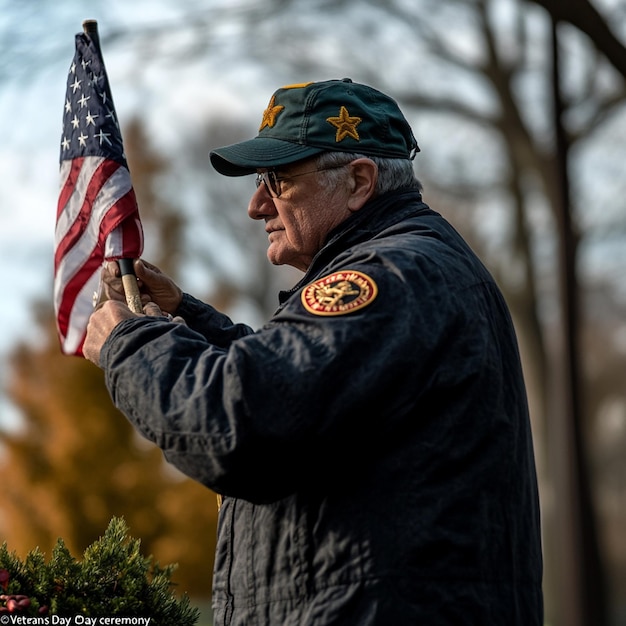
214 326
253 415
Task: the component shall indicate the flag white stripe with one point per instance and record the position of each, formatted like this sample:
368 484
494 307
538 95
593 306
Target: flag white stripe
82 309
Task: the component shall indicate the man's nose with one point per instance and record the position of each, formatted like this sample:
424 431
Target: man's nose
261 204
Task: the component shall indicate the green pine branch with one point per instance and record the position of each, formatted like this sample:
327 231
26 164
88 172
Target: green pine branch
112 579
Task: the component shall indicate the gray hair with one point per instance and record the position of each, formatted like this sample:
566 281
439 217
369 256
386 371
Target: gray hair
393 174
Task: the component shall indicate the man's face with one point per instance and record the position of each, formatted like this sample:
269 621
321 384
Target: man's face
298 222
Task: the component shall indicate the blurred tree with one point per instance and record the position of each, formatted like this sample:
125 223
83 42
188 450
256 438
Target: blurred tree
76 462
164 223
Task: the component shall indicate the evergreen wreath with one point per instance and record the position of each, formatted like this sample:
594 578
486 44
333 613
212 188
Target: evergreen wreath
113 579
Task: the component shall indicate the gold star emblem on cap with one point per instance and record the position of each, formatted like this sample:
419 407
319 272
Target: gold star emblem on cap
270 114
345 125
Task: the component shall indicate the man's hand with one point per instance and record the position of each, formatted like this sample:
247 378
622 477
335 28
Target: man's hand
107 316
101 323
154 285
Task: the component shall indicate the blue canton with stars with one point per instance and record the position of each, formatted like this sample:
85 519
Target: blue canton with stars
90 126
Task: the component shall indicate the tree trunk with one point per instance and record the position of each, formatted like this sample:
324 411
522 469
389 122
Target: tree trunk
581 589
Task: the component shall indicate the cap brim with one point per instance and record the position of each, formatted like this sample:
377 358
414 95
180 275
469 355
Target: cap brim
247 157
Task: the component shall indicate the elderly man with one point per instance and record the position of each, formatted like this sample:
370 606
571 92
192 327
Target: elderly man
371 442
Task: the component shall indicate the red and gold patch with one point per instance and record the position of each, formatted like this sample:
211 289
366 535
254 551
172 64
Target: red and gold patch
339 293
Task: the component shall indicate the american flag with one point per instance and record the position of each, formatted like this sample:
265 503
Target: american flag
97 215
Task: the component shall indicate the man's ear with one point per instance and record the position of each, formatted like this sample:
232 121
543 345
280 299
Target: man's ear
363 179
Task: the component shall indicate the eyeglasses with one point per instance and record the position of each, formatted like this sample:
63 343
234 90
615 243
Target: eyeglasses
272 180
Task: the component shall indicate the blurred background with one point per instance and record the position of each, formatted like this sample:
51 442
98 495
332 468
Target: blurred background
519 108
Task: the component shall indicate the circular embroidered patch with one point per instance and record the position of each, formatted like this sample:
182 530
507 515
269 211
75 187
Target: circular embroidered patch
339 293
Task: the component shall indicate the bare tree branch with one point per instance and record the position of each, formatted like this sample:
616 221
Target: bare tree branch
584 16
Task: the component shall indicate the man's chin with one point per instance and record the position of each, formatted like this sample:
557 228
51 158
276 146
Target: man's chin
273 256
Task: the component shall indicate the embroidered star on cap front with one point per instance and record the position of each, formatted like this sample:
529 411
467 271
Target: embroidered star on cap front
270 114
345 125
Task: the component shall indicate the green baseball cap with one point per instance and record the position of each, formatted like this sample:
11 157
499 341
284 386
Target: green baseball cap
306 119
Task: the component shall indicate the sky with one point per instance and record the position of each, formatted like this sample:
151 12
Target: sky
30 134
29 185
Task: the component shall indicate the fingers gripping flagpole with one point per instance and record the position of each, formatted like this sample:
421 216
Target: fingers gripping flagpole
131 289
129 279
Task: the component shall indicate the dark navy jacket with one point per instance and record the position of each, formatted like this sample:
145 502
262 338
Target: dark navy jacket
375 454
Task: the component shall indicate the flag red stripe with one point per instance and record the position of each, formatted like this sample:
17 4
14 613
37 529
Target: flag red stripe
71 291
100 177
68 186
